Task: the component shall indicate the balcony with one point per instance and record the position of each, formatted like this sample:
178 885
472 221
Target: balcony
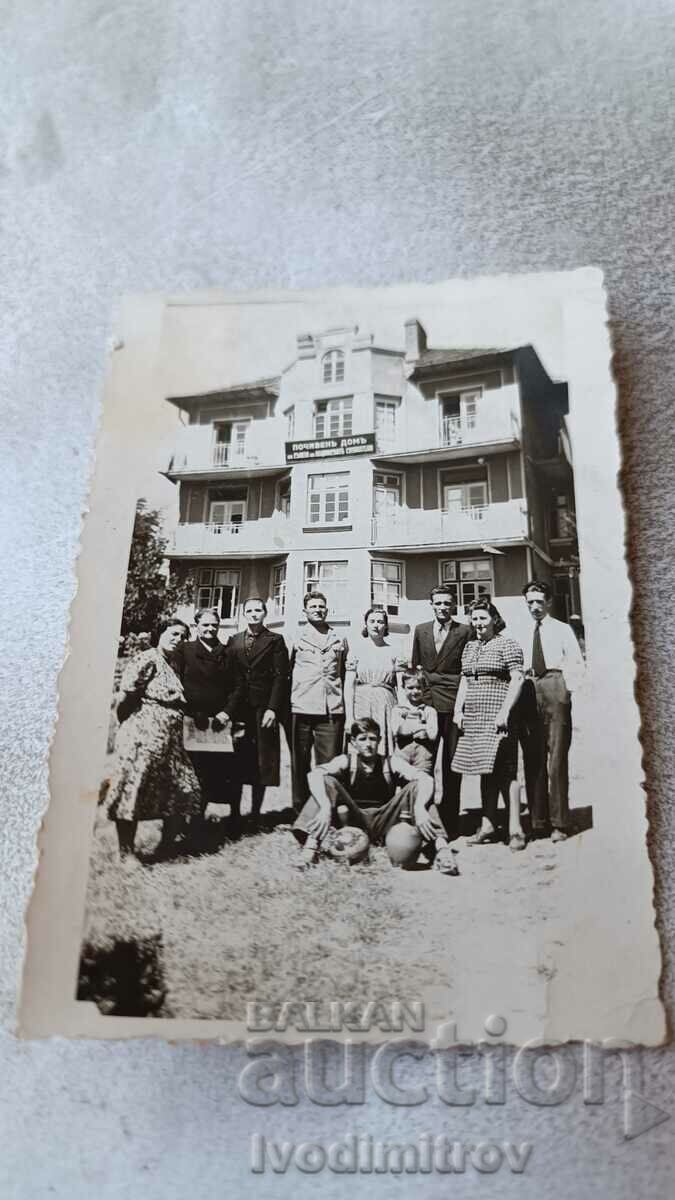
264 538
197 455
472 431
419 529
494 426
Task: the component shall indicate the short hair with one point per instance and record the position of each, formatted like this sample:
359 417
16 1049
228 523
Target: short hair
484 604
369 613
413 677
169 622
202 612
537 585
439 590
313 596
255 600
364 725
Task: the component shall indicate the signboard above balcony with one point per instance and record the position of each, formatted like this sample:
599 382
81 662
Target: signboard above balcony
337 447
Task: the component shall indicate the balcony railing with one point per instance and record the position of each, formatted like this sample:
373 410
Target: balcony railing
196 450
496 425
228 454
265 536
416 527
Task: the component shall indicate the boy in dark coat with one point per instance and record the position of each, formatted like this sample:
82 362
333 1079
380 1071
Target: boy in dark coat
258 665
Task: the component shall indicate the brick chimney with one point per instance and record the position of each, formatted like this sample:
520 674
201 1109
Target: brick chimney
415 339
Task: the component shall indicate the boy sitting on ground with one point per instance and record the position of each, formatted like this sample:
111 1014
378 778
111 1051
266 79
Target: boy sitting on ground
414 725
376 791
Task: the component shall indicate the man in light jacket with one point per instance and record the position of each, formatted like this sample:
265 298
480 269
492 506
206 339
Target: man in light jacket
317 694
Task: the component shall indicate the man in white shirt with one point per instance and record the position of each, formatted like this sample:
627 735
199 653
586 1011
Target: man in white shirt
554 668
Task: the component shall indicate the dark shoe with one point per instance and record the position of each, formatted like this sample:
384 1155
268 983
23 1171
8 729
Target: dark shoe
483 839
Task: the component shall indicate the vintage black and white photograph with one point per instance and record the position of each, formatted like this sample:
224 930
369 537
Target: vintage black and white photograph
357 738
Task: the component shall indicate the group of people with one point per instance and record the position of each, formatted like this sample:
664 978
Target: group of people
364 727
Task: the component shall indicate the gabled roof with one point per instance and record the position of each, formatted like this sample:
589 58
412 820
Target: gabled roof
429 359
258 389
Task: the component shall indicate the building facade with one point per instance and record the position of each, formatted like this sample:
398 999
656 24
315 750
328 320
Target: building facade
372 474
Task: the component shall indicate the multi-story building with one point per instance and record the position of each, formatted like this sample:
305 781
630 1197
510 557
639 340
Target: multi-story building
373 474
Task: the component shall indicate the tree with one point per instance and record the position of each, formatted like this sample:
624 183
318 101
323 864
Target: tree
149 595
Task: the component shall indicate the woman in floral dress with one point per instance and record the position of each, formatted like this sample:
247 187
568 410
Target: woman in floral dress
153 778
370 681
492 680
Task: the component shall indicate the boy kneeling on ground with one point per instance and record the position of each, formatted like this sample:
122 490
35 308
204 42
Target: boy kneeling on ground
376 790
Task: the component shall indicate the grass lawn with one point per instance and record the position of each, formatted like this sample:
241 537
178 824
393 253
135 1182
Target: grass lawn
236 921
240 923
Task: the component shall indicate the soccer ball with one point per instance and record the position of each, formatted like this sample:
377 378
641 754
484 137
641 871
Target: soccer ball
403 843
347 845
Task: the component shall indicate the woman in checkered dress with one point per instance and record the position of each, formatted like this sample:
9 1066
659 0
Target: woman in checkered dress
492 679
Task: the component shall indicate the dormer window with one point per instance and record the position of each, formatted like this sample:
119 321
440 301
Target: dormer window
333 366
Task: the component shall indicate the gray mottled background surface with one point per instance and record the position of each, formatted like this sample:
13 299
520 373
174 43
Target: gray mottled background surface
148 145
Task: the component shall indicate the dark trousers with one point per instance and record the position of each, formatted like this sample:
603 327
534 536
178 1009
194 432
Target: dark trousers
324 734
448 807
376 821
545 719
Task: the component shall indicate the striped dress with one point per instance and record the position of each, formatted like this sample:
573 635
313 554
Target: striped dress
487 667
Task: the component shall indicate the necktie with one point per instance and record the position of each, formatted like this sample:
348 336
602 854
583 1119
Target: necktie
538 660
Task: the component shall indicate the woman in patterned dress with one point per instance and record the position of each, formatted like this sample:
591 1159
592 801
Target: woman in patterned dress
153 778
492 679
370 680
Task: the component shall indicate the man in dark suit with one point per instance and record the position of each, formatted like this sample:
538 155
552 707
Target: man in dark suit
437 650
203 670
257 660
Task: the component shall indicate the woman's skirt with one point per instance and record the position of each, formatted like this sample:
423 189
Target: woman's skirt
152 777
376 701
479 743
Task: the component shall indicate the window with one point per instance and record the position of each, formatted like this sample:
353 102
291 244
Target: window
284 496
331 578
385 423
219 590
563 520
290 422
328 499
279 590
459 416
469 498
467 579
333 366
386 495
333 418
227 508
386 585
229 445
195 506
